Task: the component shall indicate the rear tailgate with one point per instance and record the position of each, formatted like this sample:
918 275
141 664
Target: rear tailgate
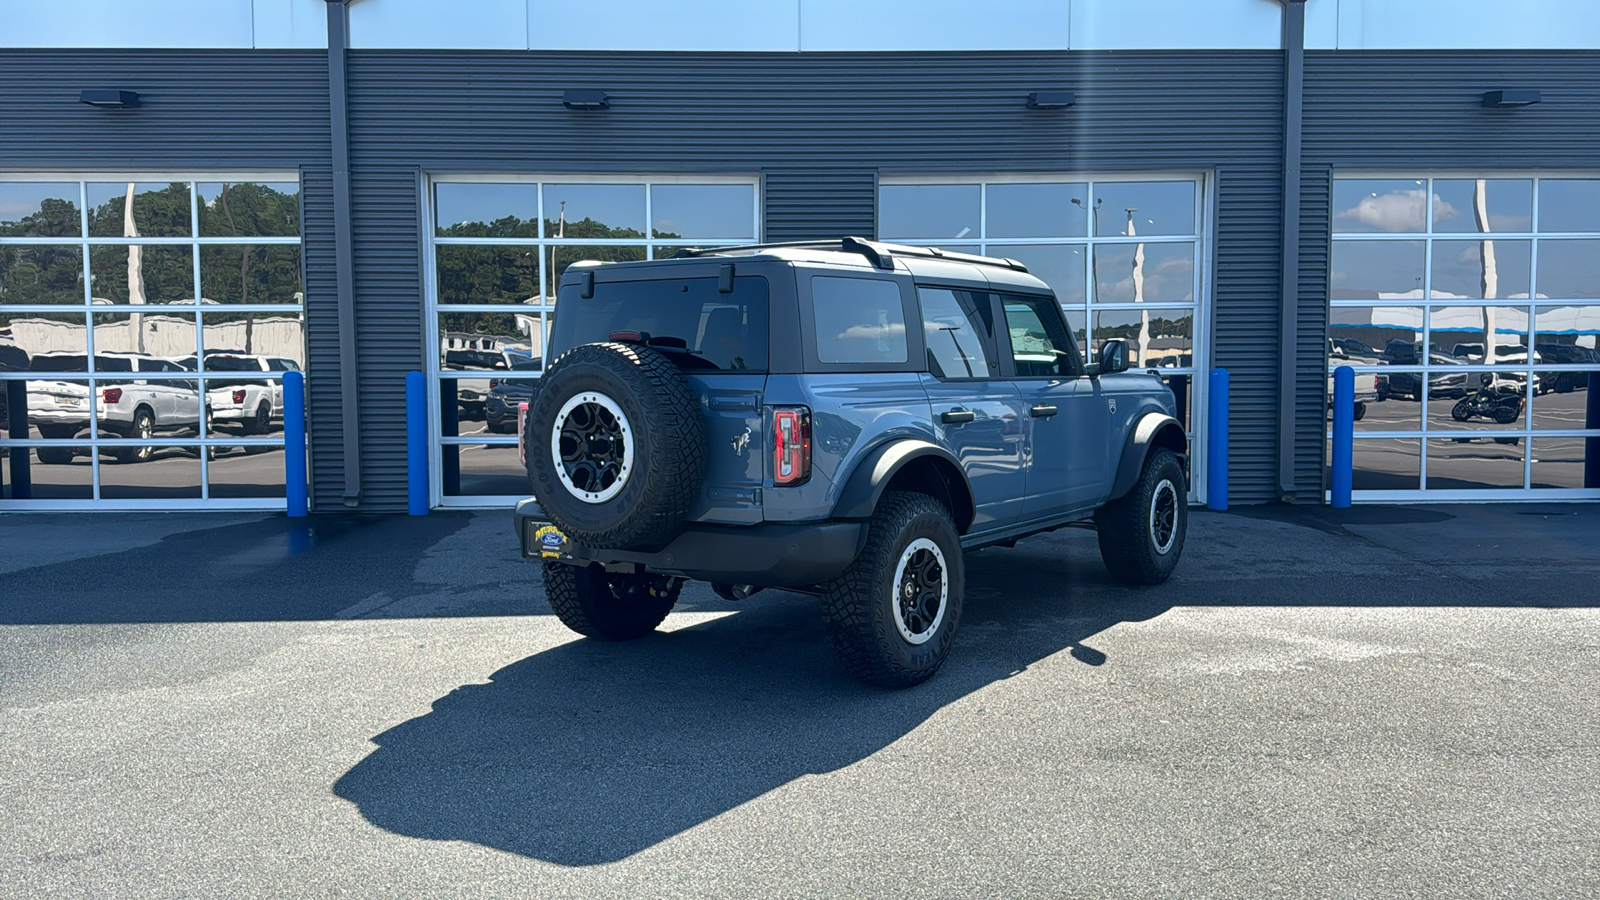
736 446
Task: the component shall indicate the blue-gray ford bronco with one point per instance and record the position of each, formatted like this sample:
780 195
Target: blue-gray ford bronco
838 418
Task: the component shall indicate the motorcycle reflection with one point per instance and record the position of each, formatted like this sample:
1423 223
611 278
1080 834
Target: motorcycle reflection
1500 399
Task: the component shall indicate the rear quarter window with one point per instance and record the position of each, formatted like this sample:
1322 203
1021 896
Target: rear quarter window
859 321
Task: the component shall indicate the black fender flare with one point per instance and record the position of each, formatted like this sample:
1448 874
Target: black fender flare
1141 438
872 475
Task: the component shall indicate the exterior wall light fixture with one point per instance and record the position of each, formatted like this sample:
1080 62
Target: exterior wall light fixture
1505 99
109 99
1051 99
585 100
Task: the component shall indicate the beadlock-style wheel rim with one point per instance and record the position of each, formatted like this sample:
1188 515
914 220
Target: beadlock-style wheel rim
921 591
1164 516
592 447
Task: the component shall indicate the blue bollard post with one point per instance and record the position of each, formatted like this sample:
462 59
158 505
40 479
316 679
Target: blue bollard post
1217 442
1344 427
416 444
294 443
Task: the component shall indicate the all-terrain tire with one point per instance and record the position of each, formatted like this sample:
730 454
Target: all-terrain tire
863 610
609 607
1142 532
660 484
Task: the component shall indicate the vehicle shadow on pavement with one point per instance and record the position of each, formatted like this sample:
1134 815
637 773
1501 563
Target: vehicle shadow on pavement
591 752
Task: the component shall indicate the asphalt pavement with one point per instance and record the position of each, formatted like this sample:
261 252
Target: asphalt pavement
1378 702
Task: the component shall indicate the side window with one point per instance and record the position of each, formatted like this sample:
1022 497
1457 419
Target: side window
958 342
1040 343
858 320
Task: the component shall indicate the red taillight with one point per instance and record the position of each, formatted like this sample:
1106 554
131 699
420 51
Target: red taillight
494 383
238 397
112 395
791 445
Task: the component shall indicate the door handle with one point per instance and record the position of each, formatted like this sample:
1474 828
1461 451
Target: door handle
957 417
1043 412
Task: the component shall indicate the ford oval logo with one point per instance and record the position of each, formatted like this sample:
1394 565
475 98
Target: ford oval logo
551 539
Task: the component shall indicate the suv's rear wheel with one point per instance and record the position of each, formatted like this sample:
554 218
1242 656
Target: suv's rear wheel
1142 532
609 606
892 616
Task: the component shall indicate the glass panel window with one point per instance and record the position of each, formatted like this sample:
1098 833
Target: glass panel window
163 473
1374 270
57 408
488 274
594 211
858 320
1475 462
697 211
263 338
1481 335
241 273
54 473
159 210
58 338
1563 462
1564 408
484 470
150 335
1569 205
488 342
1059 265
486 210
1369 335
1144 273
936 212
1388 206
32 274
247 209
239 401
1472 270
1386 464
39 209
1482 204
1156 337
1567 270
246 472
1037 210
559 256
1144 208
141 273
1479 401
957 340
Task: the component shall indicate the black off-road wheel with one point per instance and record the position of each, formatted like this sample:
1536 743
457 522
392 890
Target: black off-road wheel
892 616
609 606
1141 533
616 445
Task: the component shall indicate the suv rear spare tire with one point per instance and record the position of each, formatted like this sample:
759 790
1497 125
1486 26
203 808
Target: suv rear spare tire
616 445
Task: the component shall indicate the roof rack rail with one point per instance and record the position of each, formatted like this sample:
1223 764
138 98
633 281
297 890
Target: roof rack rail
881 255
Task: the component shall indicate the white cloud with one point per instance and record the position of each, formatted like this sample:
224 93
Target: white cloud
1398 211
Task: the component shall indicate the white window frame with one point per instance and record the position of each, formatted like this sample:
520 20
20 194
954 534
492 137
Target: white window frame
1526 433
431 349
204 502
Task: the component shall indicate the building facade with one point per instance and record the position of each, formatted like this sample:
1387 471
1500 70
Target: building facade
362 191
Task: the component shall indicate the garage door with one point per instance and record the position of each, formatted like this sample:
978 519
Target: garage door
1470 308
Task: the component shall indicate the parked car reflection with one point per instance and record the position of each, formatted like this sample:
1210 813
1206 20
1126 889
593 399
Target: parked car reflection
126 406
500 405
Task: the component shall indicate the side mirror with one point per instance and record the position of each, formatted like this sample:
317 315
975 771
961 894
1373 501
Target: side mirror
1113 357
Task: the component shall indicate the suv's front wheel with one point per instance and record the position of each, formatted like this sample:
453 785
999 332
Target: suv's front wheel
892 616
1142 532
607 605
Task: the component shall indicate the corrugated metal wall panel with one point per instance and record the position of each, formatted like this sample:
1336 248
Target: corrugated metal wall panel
1423 110
1311 383
806 204
389 303
818 138
1245 323
324 406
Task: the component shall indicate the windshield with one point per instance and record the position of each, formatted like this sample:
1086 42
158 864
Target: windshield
726 332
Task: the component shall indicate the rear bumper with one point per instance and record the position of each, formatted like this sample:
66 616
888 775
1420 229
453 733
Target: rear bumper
770 555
